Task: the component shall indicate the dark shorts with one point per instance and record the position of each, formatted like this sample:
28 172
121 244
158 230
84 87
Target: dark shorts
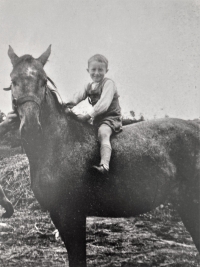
114 122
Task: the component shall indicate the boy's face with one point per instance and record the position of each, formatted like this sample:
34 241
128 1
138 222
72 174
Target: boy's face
97 70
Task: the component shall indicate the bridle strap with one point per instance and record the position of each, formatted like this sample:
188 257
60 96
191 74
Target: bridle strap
51 82
28 98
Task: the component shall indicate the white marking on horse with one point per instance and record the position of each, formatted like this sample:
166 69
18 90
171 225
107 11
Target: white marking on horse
30 72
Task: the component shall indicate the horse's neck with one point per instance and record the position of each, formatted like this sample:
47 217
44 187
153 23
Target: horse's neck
60 134
50 124
50 114
52 121
62 129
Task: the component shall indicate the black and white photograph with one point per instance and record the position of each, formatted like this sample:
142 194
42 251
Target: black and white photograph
100 133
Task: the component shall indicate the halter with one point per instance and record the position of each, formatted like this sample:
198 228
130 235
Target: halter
31 98
21 100
16 102
28 98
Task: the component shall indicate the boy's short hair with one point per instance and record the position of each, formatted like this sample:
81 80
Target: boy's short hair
99 58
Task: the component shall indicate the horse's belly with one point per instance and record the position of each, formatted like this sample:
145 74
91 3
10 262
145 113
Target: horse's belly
132 189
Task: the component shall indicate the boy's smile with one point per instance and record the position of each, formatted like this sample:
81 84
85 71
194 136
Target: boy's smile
97 71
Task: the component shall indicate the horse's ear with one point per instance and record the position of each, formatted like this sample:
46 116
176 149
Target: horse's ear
13 57
44 57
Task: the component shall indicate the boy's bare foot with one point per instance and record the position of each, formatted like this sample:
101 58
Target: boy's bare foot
101 169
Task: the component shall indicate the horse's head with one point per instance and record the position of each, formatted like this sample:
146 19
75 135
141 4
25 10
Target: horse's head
28 89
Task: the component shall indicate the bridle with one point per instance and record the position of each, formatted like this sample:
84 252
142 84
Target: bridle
16 102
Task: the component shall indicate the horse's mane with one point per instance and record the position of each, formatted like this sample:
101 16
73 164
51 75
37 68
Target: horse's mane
63 109
56 95
58 100
61 105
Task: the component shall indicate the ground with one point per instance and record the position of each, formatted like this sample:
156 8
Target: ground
29 238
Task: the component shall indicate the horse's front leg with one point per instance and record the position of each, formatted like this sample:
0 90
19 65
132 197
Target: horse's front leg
72 229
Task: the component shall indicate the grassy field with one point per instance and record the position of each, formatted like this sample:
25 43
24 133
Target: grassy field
153 239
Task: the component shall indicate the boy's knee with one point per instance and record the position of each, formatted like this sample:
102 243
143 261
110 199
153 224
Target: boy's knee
103 136
104 132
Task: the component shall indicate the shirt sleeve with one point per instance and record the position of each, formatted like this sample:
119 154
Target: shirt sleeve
3 129
105 100
77 97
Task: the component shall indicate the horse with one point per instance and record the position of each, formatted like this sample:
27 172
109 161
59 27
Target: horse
152 162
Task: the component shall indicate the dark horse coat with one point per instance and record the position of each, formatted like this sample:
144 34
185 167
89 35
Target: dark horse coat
152 162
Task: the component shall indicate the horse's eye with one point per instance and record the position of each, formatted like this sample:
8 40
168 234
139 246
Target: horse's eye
45 82
14 83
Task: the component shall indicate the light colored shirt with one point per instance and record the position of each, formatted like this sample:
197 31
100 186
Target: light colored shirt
103 103
3 129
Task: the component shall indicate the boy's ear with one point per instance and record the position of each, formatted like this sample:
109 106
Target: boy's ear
107 70
87 70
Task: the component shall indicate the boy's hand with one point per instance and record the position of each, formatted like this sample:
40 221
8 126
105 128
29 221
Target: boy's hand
68 105
11 121
83 118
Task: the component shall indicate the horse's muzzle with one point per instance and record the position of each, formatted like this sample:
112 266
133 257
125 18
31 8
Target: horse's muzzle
30 127
33 131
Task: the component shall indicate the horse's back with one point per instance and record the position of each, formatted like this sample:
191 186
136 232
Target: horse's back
162 131
163 126
169 139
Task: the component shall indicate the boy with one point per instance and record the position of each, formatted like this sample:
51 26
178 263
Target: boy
11 122
106 112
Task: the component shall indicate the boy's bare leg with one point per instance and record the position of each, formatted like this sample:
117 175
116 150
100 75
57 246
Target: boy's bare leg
104 134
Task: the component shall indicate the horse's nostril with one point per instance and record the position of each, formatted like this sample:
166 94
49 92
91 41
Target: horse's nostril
14 103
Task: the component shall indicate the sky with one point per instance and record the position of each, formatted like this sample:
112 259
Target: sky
153 49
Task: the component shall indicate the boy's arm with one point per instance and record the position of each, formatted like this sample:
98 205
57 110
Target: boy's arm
77 98
11 122
3 128
105 100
